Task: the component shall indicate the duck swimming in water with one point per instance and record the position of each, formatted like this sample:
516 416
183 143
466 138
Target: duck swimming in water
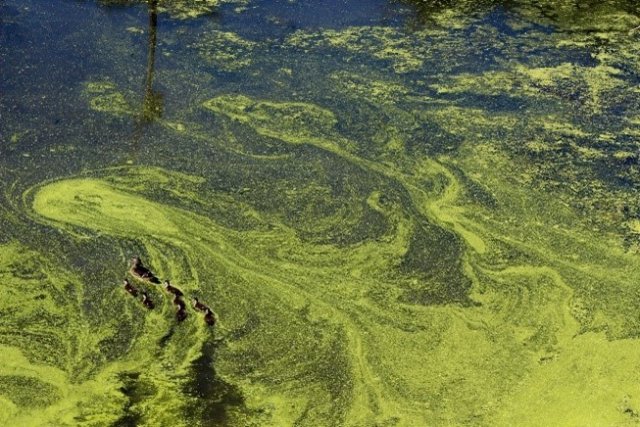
129 288
172 289
146 301
209 317
198 305
141 272
181 313
178 302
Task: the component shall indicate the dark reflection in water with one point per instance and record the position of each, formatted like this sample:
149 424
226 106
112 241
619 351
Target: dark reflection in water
152 102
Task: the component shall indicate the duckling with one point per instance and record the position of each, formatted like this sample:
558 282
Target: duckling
209 317
198 305
181 313
129 288
146 301
141 272
172 289
178 302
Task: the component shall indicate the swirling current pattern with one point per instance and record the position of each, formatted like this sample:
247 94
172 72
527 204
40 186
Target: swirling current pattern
379 251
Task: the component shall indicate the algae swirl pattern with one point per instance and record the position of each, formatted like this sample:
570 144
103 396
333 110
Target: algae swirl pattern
382 248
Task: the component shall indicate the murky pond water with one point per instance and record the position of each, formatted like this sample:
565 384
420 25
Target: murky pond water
403 213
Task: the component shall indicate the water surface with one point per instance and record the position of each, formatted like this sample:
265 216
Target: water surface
403 213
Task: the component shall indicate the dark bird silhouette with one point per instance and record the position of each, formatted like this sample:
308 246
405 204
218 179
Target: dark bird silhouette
209 317
129 288
198 305
172 289
181 312
146 301
178 302
139 271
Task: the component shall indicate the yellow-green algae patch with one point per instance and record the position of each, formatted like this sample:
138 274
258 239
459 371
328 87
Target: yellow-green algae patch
607 371
546 305
378 91
332 338
78 201
184 9
157 361
49 349
105 97
266 267
560 81
552 286
226 50
292 122
384 330
72 201
472 288
379 42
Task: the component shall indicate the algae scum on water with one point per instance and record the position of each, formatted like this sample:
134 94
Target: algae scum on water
433 222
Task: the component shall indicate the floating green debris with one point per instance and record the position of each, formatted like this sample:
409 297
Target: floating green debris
181 9
294 122
226 50
378 42
135 30
16 137
188 9
105 97
378 91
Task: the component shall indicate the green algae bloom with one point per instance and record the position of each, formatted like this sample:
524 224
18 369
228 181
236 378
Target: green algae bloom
181 9
378 42
105 97
394 226
226 50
